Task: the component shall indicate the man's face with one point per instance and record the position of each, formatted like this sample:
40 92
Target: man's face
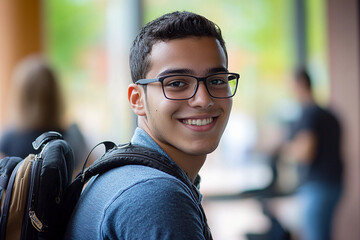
192 126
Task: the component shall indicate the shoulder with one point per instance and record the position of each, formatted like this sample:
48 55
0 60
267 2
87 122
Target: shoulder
8 134
323 115
132 183
312 110
158 202
15 135
6 139
319 111
137 182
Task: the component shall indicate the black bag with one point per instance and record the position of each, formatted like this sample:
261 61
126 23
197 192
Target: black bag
52 224
31 189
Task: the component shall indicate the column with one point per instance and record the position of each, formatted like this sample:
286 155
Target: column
20 31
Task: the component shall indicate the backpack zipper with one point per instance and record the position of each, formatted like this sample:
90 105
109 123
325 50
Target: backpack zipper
34 191
30 214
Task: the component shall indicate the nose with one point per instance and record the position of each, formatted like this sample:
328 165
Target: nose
201 99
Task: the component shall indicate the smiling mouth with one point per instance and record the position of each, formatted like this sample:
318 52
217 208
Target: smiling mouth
198 122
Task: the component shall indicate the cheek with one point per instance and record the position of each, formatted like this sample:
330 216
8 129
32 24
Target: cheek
227 109
227 105
159 109
161 106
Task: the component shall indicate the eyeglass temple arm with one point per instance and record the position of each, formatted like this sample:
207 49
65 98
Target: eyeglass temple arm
146 81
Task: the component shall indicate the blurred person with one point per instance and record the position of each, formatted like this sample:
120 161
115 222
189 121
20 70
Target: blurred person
315 146
36 106
182 95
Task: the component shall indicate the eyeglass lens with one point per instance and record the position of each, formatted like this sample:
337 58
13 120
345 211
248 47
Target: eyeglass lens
221 85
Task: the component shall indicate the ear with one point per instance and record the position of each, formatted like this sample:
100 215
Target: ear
136 96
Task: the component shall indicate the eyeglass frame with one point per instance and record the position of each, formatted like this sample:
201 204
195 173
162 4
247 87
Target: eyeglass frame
146 81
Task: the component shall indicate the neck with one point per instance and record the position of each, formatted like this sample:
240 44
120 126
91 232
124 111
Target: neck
190 164
307 99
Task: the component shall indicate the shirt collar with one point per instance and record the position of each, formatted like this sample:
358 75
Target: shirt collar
143 139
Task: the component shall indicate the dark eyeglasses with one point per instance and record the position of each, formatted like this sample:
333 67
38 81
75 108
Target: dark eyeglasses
183 87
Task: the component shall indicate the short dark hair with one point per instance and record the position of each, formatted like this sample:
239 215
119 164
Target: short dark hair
303 77
170 26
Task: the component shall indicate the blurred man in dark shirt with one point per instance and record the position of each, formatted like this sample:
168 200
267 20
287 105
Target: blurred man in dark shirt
315 145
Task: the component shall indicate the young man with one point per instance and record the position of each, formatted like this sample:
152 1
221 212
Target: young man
182 94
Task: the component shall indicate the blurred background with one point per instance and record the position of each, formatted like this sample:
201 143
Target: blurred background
87 42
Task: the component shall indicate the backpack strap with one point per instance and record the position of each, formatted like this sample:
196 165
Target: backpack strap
6 205
117 156
7 166
108 146
130 154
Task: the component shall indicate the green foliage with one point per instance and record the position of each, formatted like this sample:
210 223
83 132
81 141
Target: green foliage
70 26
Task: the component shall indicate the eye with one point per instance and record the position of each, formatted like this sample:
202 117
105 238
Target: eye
217 81
176 84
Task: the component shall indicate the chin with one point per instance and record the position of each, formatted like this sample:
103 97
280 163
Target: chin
202 148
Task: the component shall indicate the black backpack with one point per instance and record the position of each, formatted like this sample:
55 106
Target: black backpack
31 189
50 194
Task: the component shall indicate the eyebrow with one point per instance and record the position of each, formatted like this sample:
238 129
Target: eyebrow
190 71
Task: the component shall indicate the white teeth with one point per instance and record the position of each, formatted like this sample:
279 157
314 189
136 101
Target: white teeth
198 122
